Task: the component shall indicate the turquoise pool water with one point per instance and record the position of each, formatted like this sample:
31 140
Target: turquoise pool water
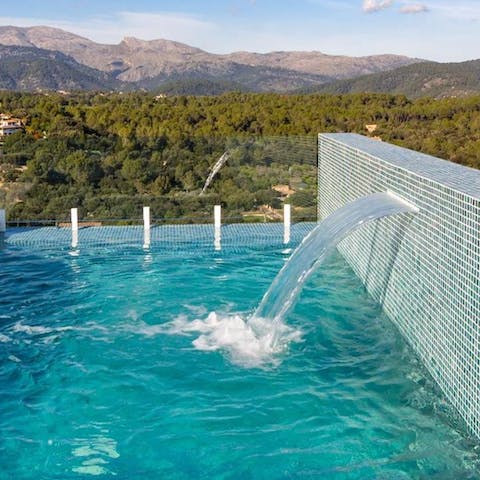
113 364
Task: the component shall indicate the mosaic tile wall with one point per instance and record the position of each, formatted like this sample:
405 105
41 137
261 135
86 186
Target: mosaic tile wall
163 238
423 268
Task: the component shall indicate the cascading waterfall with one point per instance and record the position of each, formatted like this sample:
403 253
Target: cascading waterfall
257 340
216 168
317 246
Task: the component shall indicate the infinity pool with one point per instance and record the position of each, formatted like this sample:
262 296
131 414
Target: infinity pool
121 362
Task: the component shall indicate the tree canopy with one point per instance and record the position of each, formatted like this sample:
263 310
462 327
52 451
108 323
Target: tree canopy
110 153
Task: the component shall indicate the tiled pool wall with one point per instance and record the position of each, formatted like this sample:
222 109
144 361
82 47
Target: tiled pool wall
164 239
424 269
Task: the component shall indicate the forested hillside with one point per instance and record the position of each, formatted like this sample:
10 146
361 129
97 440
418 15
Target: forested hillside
31 69
109 154
419 80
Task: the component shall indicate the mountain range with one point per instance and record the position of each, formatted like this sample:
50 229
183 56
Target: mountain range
46 58
28 68
422 79
135 63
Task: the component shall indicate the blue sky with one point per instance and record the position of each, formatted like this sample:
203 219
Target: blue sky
443 30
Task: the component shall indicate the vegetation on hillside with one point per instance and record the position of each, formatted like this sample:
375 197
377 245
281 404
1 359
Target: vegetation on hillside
199 86
33 69
418 80
110 154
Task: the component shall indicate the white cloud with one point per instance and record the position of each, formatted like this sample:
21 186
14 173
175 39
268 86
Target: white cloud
414 8
192 30
149 26
223 34
459 10
146 26
370 6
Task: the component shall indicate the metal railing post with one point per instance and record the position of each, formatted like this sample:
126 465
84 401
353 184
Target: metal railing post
287 220
217 215
3 221
146 227
74 221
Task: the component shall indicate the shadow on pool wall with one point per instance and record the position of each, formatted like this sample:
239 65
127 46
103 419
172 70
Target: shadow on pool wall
424 271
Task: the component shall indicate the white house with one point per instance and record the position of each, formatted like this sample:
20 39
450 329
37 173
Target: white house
9 125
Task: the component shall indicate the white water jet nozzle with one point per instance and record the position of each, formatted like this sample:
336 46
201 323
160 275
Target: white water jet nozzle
411 206
216 168
319 243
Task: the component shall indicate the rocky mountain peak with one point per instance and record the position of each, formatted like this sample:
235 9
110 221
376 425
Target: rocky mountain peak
153 61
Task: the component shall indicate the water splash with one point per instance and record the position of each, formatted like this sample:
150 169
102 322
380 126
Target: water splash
216 168
248 343
319 244
258 340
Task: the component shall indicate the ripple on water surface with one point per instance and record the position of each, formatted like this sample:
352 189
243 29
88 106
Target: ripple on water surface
115 362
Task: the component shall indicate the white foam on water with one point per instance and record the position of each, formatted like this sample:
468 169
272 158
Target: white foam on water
255 342
38 329
4 338
30 330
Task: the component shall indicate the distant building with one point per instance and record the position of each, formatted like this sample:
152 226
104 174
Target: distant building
9 125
